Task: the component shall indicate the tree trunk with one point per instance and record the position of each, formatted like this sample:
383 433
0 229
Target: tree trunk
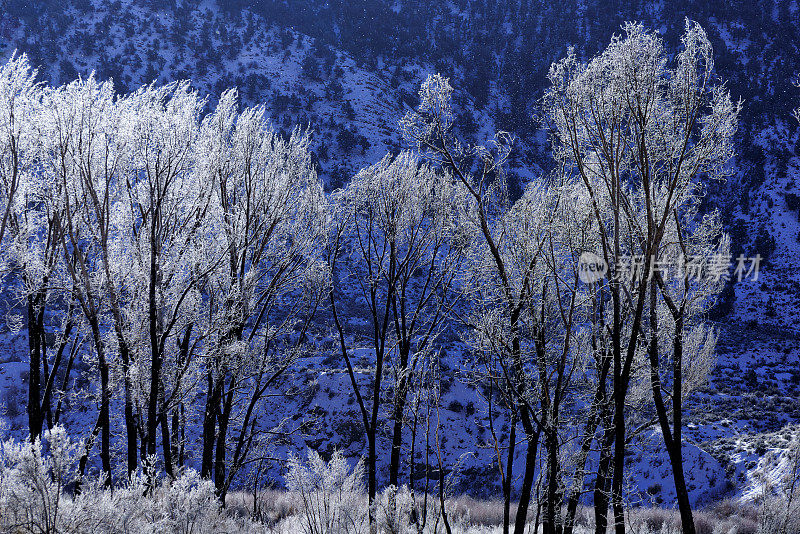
442 507
220 453
677 426
51 375
672 439
527 481
372 485
34 408
166 445
155 353
177 436
104 420
130 421
512 443
210 424
619 464
65 383
577 490
553 470
397 417
602 481
589 432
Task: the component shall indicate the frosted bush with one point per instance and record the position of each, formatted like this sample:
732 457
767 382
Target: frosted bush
31 483
330 495
778 477
184 505
394 513
394 510
33 478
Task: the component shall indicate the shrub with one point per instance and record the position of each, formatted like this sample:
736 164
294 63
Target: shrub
31 482
32 497
329 495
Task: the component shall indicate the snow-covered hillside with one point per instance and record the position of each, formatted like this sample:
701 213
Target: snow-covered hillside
351 99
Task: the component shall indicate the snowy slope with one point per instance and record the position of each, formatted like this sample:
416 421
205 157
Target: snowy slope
753 392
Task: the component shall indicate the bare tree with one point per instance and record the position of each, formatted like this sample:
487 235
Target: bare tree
161 241
392 243
639 134
30 227
522 285
79 121
268 217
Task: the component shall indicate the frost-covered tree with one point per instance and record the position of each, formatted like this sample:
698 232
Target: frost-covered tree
34 476
427 220
185 249
32 495
78 149
392 247
31 232
158 246
520 282
638 136
480 172
642 133
19 98
268 222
